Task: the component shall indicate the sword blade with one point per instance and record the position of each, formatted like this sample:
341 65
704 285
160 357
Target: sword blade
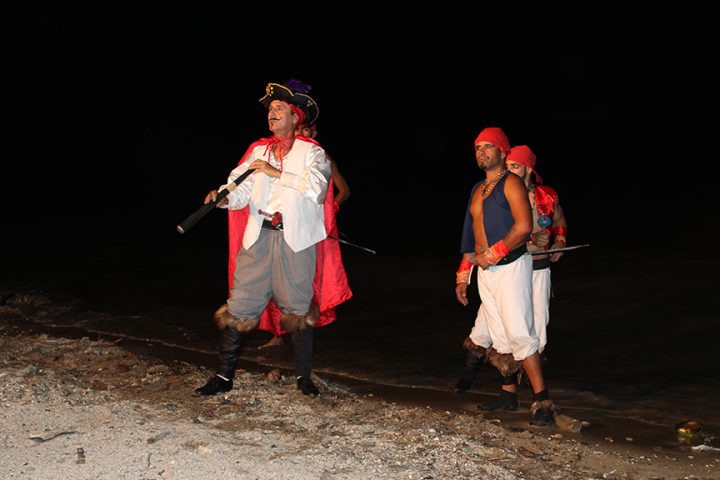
351 244
555 250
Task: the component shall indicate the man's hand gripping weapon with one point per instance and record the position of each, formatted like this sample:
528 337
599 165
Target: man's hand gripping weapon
202 211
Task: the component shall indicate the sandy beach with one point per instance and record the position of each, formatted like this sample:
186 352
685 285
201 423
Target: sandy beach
81 408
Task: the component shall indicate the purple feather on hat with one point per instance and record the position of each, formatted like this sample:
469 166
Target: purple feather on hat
297 86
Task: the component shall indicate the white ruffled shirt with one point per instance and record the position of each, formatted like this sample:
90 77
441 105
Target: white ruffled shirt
298 194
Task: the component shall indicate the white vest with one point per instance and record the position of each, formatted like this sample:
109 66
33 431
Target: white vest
303 185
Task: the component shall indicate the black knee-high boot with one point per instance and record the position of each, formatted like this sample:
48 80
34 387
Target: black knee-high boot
303 349
474 357
472 365
230 346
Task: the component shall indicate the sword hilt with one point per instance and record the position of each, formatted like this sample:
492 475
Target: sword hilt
275 218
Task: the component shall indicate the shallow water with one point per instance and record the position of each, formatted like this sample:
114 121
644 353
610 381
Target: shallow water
629 342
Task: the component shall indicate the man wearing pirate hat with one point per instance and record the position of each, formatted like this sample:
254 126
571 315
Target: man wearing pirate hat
281 262
340 189
497 227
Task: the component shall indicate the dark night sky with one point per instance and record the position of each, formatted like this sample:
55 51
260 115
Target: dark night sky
121 119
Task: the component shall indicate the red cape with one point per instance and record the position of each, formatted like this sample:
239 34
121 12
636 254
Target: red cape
330 285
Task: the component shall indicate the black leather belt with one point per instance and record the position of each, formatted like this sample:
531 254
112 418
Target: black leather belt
513 255
267 225
541 263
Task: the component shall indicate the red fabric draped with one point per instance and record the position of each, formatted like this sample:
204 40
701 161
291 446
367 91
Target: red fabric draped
545 198
330 285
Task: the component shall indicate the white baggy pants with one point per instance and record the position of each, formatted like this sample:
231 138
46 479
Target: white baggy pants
505 318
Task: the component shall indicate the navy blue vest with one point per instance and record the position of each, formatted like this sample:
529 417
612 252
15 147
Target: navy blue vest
497 217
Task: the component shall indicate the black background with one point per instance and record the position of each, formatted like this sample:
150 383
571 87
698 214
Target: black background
120 118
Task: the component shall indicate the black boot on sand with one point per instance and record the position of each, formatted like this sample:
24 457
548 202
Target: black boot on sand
306 385
230 345
472 365
543 410
507 401
215 385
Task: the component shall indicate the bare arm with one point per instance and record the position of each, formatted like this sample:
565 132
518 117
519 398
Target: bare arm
516 193
558 221
462 284
343 190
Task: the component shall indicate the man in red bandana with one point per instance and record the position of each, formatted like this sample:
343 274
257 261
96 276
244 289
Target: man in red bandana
281 262
497 227
549 224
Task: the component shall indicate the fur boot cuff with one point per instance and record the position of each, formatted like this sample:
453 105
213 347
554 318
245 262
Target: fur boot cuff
504 362
293 322
223 318
544 405
474 350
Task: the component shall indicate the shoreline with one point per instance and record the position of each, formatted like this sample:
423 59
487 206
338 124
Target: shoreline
618 432
100 376
94 406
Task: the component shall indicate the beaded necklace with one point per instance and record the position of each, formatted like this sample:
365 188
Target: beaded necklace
487 187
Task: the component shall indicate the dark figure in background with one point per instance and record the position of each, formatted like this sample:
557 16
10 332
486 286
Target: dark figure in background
497 226
274 264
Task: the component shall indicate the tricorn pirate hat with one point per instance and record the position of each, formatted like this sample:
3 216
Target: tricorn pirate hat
295 93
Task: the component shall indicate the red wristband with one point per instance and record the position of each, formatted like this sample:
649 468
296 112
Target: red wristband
465 265
557 231
463 273
496 253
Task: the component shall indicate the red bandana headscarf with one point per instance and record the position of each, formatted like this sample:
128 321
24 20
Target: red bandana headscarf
524 156
495 136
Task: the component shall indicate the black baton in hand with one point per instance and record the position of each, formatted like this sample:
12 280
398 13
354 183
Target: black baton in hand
202 211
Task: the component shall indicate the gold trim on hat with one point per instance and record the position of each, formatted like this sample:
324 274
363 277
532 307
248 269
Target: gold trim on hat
310 103
270 90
